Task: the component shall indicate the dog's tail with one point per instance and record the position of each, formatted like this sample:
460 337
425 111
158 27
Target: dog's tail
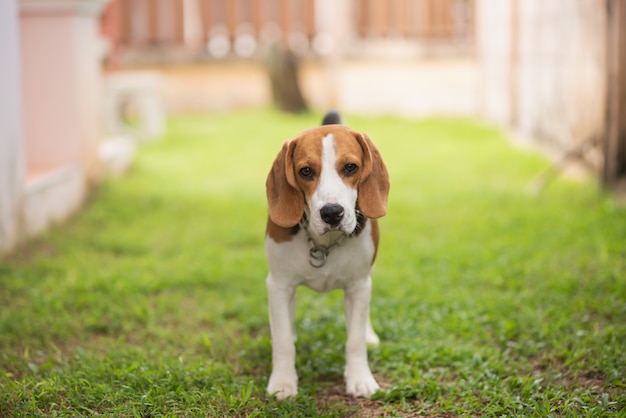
332 117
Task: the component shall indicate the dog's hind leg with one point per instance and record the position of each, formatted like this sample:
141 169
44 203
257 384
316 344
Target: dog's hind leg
370 335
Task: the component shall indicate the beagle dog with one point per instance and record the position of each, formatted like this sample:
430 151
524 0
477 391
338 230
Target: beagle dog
326 188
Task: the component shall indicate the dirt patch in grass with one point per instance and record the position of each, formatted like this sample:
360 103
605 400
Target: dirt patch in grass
333 392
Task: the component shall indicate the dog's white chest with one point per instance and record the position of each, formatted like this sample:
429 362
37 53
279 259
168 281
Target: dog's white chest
290 262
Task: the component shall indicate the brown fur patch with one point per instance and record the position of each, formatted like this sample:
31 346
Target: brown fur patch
348 151
375 237
308 153
280 234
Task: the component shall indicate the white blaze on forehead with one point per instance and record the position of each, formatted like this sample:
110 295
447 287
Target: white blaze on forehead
331 189
329 179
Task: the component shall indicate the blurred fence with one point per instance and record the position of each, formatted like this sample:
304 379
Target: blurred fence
425 20
192 29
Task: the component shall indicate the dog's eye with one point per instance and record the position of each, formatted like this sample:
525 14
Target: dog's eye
306 173
350 169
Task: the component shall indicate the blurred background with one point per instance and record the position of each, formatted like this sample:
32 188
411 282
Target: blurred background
83 80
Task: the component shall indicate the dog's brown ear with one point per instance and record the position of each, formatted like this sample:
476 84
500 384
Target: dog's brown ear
285 201
374 184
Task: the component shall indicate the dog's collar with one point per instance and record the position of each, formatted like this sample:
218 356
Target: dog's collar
318 253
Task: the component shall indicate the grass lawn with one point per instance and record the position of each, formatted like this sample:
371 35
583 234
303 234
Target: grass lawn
488 301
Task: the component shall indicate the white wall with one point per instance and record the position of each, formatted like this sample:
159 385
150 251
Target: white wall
11 136
543 69
61 58
562 72
50 54
493 40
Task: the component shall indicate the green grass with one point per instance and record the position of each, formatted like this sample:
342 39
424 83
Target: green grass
488 301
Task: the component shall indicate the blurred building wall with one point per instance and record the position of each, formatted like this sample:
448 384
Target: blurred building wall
11 135
61 54
50 124
543 67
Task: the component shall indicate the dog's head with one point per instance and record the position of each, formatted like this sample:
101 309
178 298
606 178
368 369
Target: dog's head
330 172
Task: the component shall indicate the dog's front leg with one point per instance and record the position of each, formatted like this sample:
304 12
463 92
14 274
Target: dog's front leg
359 379
283 380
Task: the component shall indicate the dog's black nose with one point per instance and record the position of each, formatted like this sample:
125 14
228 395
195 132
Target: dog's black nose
332 214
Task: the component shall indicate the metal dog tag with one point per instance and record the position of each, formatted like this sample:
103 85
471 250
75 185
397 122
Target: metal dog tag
317 257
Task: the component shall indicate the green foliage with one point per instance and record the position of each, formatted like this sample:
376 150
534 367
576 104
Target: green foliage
489 301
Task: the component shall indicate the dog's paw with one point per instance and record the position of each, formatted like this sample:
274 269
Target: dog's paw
283 386
361 384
